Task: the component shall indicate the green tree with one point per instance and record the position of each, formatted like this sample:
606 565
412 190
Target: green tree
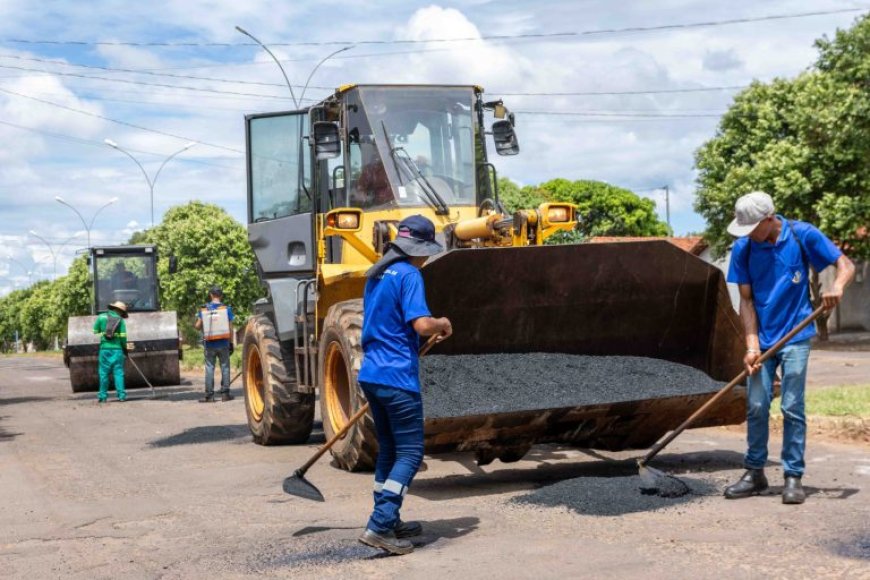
606 210
35 315
210 248
514 197
805 141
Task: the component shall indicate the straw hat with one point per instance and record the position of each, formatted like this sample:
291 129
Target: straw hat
119 307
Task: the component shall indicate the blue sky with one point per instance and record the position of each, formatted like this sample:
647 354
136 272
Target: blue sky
59 101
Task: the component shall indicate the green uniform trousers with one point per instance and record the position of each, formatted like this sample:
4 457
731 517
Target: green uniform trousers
111 362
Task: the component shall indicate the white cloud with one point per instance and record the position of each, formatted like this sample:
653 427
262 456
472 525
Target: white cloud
639 153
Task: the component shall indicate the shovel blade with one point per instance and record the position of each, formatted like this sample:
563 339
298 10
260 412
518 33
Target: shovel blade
297 485
655 482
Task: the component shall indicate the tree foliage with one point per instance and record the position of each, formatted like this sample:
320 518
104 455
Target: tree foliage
211 248
805 141
602 209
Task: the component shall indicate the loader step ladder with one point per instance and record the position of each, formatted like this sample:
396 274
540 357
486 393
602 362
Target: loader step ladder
305 353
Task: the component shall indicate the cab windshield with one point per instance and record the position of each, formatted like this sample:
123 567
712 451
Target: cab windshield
129 279
411 146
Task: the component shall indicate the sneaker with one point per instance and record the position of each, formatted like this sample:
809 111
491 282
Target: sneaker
408 529
122 400
207 399
101 401
227 397
387 541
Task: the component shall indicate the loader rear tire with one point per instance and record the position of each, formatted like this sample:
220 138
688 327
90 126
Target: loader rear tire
276 412
340 356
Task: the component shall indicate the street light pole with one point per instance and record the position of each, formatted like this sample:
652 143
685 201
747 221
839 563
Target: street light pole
266 48
23 267
151 182
51 248
88 227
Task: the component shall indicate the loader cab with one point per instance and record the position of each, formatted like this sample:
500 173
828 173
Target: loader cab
127 274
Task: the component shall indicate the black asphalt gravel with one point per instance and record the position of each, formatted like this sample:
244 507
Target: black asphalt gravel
460 385
610 496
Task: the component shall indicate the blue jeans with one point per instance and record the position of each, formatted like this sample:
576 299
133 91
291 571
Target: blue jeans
793 361
398 416
223 354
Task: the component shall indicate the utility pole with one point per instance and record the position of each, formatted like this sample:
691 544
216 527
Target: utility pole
668 209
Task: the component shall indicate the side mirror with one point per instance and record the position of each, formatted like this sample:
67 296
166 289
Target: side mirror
327 140
173 264
505 138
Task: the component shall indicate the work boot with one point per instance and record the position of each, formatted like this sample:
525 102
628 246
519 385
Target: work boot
227 397
793 492
387 541
207 399
752 483
408 529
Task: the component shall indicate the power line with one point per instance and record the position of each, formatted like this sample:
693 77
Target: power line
101 144
639 92
141 83
497 37
125 123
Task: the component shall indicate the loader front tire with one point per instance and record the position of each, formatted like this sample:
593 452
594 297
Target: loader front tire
340 356
276 412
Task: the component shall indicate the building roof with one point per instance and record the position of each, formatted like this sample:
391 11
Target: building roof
692 244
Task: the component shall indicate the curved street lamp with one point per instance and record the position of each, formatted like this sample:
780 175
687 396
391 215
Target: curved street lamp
296 103
151 182
88 226
51 247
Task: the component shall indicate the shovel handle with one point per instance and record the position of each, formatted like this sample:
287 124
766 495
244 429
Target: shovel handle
354 418
727 388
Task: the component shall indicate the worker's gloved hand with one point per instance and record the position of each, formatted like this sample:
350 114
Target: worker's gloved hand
232 348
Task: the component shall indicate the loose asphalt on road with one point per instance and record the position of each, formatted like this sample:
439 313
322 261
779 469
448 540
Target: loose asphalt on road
171 488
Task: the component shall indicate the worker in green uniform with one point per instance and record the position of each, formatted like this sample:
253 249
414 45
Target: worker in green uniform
113 349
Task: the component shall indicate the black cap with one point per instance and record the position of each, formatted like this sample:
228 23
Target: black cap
216 291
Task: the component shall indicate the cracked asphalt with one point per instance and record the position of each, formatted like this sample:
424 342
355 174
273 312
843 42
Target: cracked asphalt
170 488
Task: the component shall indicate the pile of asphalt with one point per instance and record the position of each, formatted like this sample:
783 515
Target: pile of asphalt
610 496
461 385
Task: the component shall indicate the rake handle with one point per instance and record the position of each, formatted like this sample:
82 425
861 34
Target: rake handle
727 388
353 420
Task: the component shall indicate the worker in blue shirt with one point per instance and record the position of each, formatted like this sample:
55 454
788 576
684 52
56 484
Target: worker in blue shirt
215 319
395 317
770 262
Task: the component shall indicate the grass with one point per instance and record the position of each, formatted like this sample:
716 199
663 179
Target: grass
848 401
194 359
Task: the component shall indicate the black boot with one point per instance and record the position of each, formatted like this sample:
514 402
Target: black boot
388 542
752 483
793 491
207 399
408 529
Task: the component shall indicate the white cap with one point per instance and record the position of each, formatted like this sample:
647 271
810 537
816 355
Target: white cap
750 210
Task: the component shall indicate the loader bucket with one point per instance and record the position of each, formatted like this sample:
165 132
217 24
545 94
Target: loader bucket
641 299
153 337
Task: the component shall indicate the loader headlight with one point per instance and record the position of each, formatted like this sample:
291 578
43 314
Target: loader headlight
556 213
347 220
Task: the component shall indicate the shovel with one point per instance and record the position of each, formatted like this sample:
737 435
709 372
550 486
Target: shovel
296 484
655 481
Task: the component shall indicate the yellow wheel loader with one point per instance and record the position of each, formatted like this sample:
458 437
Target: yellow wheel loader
327 186
127 274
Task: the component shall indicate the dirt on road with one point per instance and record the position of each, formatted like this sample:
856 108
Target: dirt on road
171 488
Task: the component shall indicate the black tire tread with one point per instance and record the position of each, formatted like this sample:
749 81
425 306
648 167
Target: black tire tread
358 450
288 416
